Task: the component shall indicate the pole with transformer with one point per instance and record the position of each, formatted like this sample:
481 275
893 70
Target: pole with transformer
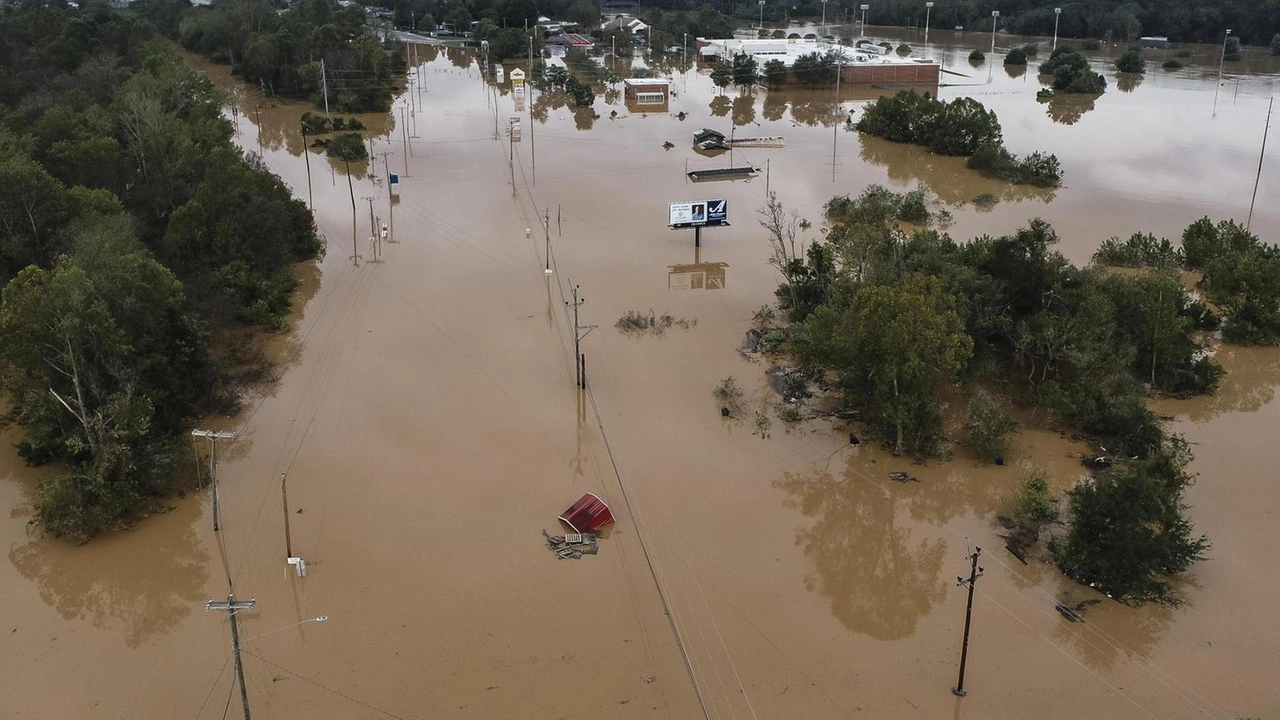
214 436
231 607
975 572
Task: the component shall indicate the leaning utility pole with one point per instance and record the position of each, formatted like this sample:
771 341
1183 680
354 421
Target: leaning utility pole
231 607
306 155
1258 178
578 337
355 250
404 135
546 227
373 227
974 573
214 436
324 83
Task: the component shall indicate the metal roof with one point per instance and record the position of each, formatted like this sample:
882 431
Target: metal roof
588 514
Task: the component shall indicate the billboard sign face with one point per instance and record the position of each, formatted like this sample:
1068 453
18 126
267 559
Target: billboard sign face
698 213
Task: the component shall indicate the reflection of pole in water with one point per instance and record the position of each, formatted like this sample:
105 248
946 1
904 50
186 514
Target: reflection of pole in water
306 155
391 207
1261 154
404 137
1222 61
835 129
355 254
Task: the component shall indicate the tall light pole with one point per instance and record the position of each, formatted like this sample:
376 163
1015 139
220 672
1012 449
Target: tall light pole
864 18
761 14
995 15
928 8
1221 62
1057 14
824 18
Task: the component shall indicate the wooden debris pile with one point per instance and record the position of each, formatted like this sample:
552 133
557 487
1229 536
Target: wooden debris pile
572 546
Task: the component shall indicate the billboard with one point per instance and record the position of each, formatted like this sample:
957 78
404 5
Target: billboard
699 213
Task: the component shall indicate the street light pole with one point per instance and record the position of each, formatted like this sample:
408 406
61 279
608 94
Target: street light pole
824 18
995 15
928 8
1057 14
761 14
1221 62
864 18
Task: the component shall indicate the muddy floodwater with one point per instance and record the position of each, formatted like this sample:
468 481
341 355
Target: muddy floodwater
428 423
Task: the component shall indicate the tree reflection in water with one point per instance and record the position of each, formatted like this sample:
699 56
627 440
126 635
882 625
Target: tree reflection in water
946 177
744 110
1128 82
879 578
774 106
149 588
720 106
1068 109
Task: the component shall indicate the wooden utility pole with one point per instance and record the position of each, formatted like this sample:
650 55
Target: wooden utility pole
231 607
284 496
214 436
578 337
1261 154
546 226
404 135
391 206
306 155
324 83
355 251
373 228
974 573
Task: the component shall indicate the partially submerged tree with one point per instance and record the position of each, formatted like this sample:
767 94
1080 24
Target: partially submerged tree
1131 61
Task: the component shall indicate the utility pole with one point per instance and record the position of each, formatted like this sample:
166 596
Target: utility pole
1261 153
214 436
578 337
284 495
404 135
355 251
231 607
546 226
324 83
974 573
306 155
391 207
1221 63
373 228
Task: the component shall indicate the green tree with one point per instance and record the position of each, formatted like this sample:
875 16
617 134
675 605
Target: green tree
1202 242
745 70
33 208
1071 73
1127 535
722 76
989 427
894 347
1232 49
775 73
585 14
1275 44
1246 286
1016 56
100 362
348 147
1131 61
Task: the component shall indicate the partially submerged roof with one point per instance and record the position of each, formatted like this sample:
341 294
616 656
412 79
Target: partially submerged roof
587 515
707 134
647 82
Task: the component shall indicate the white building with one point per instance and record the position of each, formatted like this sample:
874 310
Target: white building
787 50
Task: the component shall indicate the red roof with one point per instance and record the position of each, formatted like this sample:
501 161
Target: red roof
588 514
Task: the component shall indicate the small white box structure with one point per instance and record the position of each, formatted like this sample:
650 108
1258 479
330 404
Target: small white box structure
300 565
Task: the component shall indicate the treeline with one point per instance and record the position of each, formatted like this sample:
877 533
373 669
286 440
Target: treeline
898 316
962 127
131 231
283 52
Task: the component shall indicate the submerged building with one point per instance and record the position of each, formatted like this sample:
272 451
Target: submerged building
866 65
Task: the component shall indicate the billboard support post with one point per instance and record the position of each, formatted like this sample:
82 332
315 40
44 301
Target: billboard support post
698 214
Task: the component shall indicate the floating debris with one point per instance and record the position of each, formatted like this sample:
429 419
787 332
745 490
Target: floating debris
572 546
902 477
1075 613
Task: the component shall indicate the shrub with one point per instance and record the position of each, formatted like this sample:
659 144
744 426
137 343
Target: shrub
1182 54
1140 250
904 49
1071 73
1131 61
1034 506
729 395
977 57
987 432
1127 534
1016 56
1171 64
1091 45
1232 50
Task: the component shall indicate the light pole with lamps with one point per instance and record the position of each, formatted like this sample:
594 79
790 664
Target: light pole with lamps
995 15
1057 14
1221 62
864 18
761 14
824 18
928 8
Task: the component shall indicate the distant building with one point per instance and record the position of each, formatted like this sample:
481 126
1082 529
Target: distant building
1155 42
867 65
647 94
635 26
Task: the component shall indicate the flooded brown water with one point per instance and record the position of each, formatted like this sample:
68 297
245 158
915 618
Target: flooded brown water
428 423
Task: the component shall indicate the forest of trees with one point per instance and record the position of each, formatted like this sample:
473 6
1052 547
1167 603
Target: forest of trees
132 231
282 52
905 317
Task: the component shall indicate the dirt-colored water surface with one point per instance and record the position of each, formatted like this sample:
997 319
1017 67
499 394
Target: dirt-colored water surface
427 419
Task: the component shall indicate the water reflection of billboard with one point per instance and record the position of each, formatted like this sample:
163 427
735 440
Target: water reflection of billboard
698 276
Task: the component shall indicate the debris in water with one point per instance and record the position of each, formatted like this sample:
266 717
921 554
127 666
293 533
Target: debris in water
587 515
572 546
902 477
1074 613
